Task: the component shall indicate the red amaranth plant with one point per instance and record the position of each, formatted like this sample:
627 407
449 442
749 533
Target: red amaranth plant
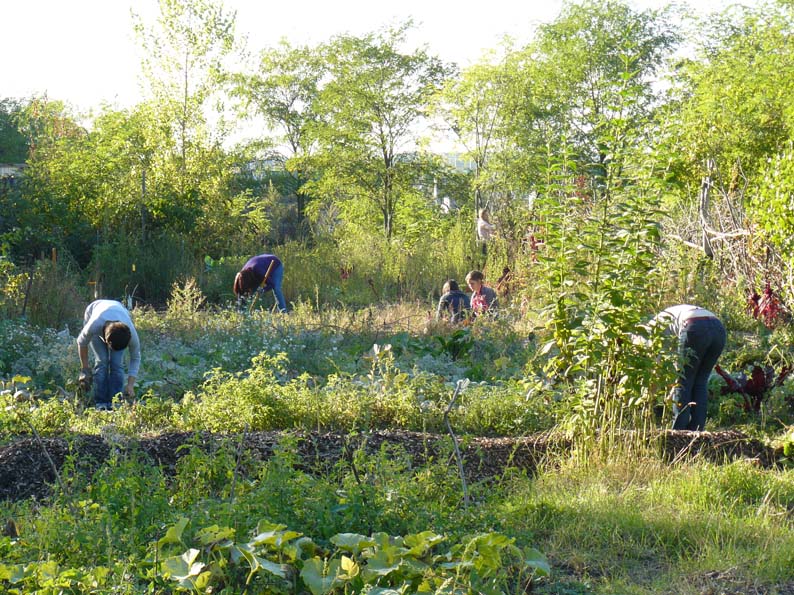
755 388
768 307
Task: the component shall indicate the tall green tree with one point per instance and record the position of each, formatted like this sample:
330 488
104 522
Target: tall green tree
184 55
470 105
50 208
588 82
370 111
13 145
733 100
284 92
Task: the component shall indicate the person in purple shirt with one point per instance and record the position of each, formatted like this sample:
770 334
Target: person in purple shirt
261 273
108 331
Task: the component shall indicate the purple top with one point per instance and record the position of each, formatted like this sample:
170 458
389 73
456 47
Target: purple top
260 264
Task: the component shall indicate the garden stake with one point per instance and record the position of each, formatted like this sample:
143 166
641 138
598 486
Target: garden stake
460 386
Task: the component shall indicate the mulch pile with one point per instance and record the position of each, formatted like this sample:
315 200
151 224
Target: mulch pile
28 464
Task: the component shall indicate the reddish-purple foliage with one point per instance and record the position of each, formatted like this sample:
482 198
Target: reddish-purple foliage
768 307
754 388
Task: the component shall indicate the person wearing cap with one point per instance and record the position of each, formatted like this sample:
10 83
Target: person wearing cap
701 339
108 331
261 273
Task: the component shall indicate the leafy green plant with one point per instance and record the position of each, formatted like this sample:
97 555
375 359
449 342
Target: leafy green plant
284 561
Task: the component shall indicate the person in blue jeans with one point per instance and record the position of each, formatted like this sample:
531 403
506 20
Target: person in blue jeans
261 273
701 339
108 331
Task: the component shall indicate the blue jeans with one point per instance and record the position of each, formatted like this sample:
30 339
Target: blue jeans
700 344
108 372
275 280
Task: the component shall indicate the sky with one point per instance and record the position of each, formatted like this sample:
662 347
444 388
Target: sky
84 52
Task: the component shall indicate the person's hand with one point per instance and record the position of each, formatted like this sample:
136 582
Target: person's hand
85 379
129 391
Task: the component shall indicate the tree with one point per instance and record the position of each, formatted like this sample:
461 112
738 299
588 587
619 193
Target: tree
184 58
734 99
369 112
284 92
588 82
49 208
13 145
470 105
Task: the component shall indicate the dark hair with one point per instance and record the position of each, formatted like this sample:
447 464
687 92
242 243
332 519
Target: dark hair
475 276
453 285
117 335
244 282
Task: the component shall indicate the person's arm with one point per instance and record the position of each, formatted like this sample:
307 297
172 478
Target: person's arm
490 297
440 309
82 351
83 339
129 390
135 362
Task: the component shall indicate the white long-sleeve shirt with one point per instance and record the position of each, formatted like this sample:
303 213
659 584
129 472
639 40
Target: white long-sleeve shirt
676 316
485 229
100 312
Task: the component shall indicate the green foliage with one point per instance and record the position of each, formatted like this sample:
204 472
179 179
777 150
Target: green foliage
600 262
733 98
13 144
486 563
772 208
13 283
374 97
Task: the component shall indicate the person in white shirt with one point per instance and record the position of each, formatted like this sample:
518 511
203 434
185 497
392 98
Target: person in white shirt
108 331
485 229
701 339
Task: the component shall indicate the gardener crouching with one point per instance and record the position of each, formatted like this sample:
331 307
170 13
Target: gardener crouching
108 330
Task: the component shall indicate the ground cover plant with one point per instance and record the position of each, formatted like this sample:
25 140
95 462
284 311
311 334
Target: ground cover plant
218 519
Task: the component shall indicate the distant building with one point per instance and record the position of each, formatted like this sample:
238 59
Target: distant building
260 169
459 163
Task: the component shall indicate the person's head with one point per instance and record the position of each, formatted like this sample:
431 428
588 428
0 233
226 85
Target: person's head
484 215
116 335
474 280
244 282
450 285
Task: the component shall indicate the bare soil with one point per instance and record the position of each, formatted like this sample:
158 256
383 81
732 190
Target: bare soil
30 466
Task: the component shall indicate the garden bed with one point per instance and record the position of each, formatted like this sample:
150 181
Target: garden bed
28 465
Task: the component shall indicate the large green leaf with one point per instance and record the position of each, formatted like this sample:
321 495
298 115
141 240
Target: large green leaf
184 568
174 532
352 542
246 551
319 576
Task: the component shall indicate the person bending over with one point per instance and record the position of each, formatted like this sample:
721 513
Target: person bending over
108 331
261 273
701 339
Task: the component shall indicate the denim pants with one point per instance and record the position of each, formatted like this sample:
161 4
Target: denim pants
701 342
108 371
275 279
